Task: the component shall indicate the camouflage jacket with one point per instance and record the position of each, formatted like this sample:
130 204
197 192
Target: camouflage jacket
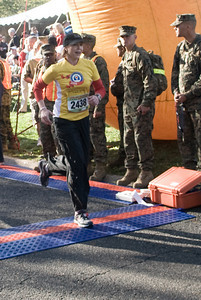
140 85
6 97
29 71
104 75
117 88
186 72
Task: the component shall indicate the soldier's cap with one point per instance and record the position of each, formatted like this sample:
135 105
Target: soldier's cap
88 38
127 30
119 44
72 39
183 18
47 48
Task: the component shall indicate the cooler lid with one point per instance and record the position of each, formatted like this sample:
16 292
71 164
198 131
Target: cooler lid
177 179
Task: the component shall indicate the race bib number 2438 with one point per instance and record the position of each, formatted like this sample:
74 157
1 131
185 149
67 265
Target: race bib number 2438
78 103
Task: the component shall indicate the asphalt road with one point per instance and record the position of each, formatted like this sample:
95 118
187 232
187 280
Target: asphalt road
160 263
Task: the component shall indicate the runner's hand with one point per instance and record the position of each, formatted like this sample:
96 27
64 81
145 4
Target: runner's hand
45 116
93 100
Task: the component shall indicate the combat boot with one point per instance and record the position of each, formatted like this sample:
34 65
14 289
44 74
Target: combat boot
143 180
99 172
131 175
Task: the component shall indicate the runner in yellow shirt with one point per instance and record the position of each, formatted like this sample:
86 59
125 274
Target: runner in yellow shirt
73 77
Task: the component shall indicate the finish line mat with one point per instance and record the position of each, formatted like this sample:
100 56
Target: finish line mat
30 238
97 189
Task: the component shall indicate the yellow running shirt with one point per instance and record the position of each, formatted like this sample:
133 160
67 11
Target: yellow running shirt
73 85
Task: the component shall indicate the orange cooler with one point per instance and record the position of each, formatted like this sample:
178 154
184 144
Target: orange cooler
177 187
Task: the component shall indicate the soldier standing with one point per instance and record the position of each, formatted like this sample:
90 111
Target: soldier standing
117 90
186 87
47 134
97 114
140 90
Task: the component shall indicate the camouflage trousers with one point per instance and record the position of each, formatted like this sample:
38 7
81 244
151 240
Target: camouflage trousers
5 124
47 135
1 148
121 126
98 149
189 139
138 141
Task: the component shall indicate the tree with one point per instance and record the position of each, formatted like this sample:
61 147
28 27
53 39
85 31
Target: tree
10 7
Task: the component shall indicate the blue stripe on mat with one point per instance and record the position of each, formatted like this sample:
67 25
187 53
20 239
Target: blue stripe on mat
77 235
59 184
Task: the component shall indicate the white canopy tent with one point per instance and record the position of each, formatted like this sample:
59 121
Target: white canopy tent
49 9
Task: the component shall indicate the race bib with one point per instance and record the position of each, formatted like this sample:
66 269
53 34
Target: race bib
78 103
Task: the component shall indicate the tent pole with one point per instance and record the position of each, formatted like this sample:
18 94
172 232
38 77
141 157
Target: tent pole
57 19
24 26
19 27
29 25
68 17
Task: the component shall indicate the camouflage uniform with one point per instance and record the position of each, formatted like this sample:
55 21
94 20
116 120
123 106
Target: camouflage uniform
47 133
5 123
139 89
186 80
97 125
117 90
1 148
29 72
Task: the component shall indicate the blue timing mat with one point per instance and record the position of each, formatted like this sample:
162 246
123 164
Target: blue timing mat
97 189
30 238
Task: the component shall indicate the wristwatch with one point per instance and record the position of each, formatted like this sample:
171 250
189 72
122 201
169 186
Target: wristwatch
98 96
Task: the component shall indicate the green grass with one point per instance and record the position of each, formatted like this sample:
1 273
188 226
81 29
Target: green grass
166 152
166 155
27 137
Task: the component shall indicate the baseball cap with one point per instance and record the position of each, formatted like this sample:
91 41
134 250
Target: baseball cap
72 39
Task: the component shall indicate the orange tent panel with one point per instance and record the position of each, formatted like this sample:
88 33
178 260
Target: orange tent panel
152 19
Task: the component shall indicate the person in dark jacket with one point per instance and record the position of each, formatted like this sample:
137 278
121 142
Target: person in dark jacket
15 39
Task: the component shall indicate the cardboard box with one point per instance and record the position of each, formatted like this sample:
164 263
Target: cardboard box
177 187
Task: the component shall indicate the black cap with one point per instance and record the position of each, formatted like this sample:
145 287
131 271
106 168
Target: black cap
47 48
88 38
72 39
